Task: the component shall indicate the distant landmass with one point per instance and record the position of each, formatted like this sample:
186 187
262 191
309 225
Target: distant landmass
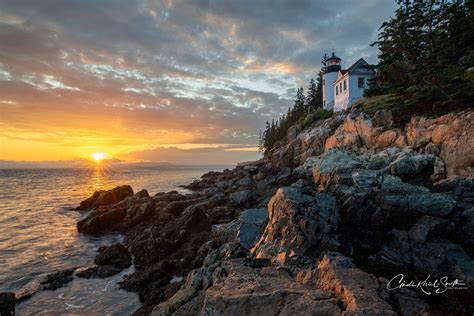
85 163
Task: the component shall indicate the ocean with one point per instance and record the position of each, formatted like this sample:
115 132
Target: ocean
38 233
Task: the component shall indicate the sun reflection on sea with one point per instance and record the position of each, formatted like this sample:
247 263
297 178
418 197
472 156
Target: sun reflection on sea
99 176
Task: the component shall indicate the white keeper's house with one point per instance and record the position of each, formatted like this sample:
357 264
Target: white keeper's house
341 88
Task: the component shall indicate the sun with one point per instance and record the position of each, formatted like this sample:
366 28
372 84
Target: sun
98 156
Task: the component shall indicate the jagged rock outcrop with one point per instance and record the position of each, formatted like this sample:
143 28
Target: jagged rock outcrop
250 224
103 198
359 132
115 255
361 292
57 280
300 145
298 226
266 291
128 211
449 137
320 225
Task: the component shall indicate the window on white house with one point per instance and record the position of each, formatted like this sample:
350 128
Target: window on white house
360 82
337 90
340 87
345 84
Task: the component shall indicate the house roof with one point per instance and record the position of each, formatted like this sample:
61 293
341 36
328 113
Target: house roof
361 62
354 69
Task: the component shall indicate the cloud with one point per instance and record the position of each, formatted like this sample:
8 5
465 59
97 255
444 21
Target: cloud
204 155
201 72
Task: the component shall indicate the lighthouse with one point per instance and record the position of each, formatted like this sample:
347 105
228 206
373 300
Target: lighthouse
332 68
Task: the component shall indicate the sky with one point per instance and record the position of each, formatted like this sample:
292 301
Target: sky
168 81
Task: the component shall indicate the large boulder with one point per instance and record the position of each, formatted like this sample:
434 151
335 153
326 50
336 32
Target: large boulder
294 149
312 141
409 166
115 255
242 197
103 220
180 235
359 290
383 118
438 259
103 198
399 197
138 213
118 217
57 280
360 131
429 227
462 188
250 225
453 134
188 300
298 225
335 165
266 291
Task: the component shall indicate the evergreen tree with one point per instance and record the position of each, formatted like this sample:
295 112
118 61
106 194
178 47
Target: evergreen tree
425 53
311 96
318 98
300 103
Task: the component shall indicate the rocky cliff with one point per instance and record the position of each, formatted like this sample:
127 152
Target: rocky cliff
337 219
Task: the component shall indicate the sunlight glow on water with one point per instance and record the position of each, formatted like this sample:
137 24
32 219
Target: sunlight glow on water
38 233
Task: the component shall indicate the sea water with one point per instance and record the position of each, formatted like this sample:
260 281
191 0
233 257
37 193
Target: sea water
38 233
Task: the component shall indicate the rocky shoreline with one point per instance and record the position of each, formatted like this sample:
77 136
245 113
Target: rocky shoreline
319 226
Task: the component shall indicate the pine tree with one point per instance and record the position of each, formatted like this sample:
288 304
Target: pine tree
311 96
425 53
300 103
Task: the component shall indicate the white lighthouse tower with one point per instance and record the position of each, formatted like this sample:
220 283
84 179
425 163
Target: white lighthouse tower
333 66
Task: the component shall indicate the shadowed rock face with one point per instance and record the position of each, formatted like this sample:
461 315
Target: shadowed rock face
116 217
299 225
57 280
116 256
318 226
7 303
250 225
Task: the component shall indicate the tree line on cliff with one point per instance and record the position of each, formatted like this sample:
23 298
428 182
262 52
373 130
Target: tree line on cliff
426 57
310 103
